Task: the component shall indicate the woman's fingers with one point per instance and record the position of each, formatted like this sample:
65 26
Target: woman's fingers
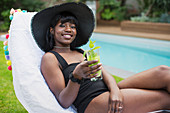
93 69
116 107
96 66
90 62
120 107
87 71
113 107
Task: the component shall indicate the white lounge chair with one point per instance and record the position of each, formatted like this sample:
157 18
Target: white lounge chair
29 84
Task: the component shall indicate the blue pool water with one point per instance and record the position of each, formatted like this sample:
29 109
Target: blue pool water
131 53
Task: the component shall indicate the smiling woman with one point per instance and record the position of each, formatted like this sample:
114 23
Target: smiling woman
67 74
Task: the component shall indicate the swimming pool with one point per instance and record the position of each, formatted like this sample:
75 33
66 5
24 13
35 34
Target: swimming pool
131 53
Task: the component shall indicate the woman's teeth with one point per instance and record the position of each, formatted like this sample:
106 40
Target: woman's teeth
67 36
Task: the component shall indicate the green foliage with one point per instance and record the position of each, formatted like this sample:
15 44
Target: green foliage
144 18
141 18
107 14
92 48
4 26
153 11
109 2
6 5
8 101
165 18
119 13
154 8
78 0
4 13
112 9
118 79
30 5
91 45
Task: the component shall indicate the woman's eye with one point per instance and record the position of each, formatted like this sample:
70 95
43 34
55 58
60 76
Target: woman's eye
62 25
73 27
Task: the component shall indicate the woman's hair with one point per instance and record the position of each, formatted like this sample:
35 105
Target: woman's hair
63 18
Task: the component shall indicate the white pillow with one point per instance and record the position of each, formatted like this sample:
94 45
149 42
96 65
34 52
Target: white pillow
29 84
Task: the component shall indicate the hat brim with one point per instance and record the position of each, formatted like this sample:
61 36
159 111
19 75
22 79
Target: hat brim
41 23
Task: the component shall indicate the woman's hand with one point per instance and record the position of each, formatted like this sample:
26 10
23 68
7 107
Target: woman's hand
83 70
115 102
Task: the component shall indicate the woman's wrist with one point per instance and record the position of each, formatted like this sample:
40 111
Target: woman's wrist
73 79
114 89
76 76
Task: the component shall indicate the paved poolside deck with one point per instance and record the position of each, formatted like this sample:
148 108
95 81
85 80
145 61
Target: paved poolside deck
118 72
116 30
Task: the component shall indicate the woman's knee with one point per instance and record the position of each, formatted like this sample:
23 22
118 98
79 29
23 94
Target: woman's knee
163 71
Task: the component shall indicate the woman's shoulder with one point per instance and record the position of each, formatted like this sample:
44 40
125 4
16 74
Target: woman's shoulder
48 57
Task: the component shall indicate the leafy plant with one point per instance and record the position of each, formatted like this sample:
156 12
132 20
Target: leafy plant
5 5
144 18
77 0
154 8
29 5
165 18
6 22
112 9
107 14
153 11
119 13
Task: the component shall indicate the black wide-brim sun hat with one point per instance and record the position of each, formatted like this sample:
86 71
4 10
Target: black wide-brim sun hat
41 23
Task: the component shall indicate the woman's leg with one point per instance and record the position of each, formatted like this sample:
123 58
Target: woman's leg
144 101
155 78
135 101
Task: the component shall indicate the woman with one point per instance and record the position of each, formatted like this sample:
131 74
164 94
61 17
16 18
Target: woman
58 31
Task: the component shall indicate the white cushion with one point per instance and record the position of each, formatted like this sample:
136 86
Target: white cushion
29 84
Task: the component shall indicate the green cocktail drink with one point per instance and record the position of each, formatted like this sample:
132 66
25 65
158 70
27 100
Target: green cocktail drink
94 55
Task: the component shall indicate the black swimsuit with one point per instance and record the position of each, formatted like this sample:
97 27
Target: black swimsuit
88 89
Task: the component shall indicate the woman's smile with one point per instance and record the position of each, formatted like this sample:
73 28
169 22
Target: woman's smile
67 36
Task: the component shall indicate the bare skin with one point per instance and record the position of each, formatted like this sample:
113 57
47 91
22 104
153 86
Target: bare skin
143 92
137 93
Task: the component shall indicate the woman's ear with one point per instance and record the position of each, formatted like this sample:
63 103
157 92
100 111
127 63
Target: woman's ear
51 30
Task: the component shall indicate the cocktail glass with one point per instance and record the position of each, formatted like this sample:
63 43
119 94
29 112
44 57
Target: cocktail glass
94 55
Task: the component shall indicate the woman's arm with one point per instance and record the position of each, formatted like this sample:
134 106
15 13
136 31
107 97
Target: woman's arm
55 80
109 80
116 98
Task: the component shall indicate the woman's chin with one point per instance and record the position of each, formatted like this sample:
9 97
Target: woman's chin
67 43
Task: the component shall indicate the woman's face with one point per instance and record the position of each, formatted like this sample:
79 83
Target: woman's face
64 33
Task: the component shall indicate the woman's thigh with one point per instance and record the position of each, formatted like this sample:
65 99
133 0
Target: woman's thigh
143 101
135 101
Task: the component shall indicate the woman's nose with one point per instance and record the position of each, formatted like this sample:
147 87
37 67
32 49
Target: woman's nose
68 28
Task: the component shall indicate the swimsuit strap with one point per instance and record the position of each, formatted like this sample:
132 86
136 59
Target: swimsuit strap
61 60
